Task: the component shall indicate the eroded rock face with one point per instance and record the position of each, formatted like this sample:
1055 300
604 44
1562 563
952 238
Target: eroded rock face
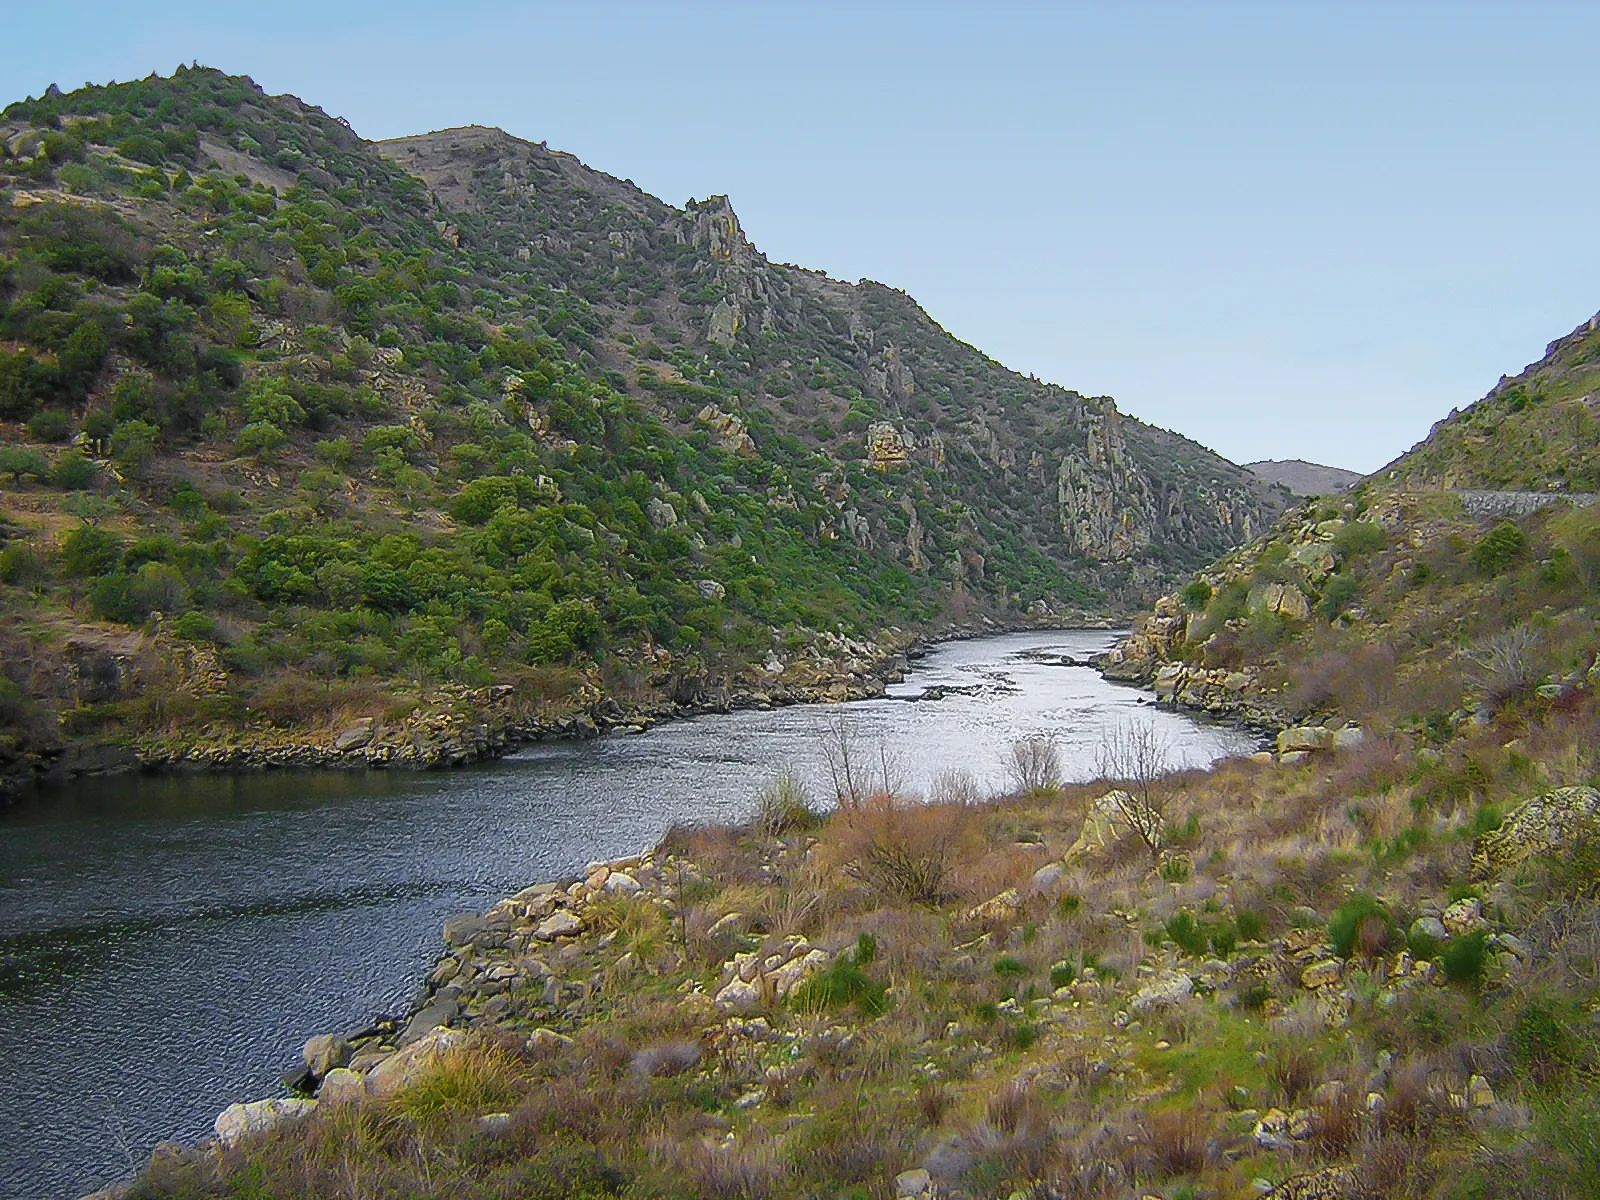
1105 504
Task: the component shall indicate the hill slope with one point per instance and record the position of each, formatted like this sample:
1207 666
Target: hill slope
294 434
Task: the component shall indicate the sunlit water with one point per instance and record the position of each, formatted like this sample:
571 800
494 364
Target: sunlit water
167 943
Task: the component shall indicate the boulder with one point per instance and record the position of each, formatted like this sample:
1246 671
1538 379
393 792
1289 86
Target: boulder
354 737
1538 826
559 924
341 1085
1464 916
621 883
239 1121
405 1066
325 1052
1321 974
739 996
911 1184
439 1013
1113 816
1164 992
1047 876
1429 927
1304 737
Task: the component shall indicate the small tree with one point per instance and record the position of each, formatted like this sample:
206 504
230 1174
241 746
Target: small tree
1136 755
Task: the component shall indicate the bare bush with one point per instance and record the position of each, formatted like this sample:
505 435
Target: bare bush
955 786
1508 663
1034 766
856 770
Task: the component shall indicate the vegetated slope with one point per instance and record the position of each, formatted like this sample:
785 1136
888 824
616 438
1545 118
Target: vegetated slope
1459 578
1538 430
1304 478
288 437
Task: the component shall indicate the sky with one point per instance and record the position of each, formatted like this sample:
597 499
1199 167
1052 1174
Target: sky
1288 230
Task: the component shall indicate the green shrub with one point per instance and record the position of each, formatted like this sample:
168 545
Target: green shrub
89 551
1463 957
1250 924
50 425
1499 548
1195 594
75 471
19 564
1187 932
1545 1041
1010 966
17 461
1362 923
1337 595
1062 974
1357 538
843 983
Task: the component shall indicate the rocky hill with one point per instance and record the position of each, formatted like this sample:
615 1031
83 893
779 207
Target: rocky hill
299 429
1304 478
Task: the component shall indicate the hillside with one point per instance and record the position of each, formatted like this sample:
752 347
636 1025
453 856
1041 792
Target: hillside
1304 478
313 448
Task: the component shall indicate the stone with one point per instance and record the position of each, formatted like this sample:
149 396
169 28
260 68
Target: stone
727 923
341 1085
1429 927
1111 817
1000 907
1164 992
621 883
495 1122
1304 737
1349 737
1327 1183
354 737
1464 916
559 924
405 1066
739 996
1047 876
710 589
239 1121
325 1052
547 1039
1479 1094
1321 974
1271 1132
913 1183
442 1010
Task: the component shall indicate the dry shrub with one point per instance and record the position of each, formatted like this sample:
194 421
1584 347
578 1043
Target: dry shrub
749 1168
670 1057
1336 1122
1411 1109
1359 680
955 786
1291 1069
911 941
717 850
1394 1166
1178 1141
933 1101
902 850
1016 1139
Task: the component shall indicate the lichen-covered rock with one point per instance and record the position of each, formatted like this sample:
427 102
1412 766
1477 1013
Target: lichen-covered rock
559 924
1538 826
1321 974
341 1085
1329 1183
1113 816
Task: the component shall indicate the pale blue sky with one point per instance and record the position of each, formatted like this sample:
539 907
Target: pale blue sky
1287 230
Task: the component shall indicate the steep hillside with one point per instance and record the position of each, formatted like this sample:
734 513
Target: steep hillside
303 452
1457 581
681 299
1304 478
1537 431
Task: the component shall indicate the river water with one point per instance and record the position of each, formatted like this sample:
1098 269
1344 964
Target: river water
168 942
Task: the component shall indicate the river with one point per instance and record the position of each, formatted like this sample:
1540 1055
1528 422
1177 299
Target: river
168 942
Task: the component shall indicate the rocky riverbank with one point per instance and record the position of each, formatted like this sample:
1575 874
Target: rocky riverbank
454 725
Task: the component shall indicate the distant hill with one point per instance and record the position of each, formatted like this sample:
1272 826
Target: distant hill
1304 478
